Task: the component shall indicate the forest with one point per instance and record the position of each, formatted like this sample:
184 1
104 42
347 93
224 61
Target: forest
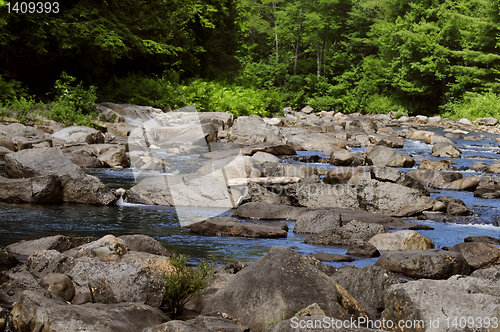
251 56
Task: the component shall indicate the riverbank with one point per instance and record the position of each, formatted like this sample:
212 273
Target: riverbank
371 191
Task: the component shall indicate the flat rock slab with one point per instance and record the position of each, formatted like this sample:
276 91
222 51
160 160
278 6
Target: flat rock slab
325 257
258 210
56 242
221 226
431 264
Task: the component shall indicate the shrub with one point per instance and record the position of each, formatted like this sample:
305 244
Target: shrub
473 106
73 104
185 282
11 90
25 109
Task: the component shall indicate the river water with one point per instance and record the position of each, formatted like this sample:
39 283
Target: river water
26 221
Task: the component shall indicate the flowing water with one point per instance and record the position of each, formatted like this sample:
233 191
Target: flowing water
25 221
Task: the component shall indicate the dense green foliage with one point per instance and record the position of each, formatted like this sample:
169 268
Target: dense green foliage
257 56
184 282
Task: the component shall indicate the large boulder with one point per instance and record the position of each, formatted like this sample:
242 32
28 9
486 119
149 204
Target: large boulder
144 243
115 157
317 221
45 312
445 150
258 210
389 174
488 187
185 190
469 183
479 255
346 234
431 264
106 249
221 226
79 134
39 189
125 281
401 240
428 178
253 129
493 168
443 305
56 242
381 155
77 187
368 284
276 287
392 199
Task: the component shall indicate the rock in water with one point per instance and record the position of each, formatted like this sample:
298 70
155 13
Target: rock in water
401 240
430 263
77 187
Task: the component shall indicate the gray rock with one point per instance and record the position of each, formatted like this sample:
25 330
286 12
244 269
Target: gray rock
221 226
341 158
392 199
56 242
18 281
252 129
381 155
7 259
80 134
77 187
129 281
277 286
177 326
36 311
326 257
401 240
48 261
431 263
344 235
445 150
39 189
489 187
479 255
388 174
265 211
85 161
185 190
144 243
368 284
482 238
264 157
436 303
59 284
317 221
218 324
363 249
115 157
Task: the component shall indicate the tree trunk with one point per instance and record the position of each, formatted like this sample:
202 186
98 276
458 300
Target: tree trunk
297 44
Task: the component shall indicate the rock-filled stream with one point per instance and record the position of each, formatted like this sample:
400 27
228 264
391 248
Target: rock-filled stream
25 221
